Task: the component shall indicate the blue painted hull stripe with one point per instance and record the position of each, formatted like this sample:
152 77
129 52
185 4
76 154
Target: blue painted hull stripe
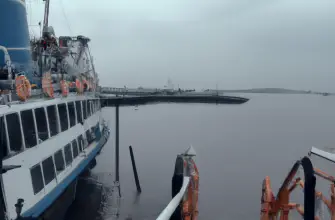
47 201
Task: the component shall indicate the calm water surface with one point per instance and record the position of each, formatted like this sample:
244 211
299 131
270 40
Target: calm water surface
237 146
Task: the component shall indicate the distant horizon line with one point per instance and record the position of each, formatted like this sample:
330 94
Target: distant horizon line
214 89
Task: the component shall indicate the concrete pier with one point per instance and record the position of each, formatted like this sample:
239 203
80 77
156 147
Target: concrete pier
110 100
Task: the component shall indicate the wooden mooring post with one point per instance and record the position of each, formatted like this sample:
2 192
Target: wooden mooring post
137 182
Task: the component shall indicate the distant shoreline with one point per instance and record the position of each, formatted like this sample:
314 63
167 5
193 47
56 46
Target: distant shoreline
270 91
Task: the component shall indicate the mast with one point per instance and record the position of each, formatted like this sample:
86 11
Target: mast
91 59
46 14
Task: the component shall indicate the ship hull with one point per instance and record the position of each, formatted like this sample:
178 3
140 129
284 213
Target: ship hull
55 205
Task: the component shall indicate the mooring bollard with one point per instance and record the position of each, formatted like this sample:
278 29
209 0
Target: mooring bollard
137 182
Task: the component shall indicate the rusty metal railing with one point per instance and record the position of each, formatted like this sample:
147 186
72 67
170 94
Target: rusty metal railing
272 207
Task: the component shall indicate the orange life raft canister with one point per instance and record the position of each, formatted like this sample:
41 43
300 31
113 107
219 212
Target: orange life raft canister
47 85
79 86
23 87
64 87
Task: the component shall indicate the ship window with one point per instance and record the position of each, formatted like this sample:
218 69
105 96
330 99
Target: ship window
48 170
93 133
68 154
97 102
64 123
28 125
97 131
52 116
42 126
84 109
14 132
59 161
89 110
75 148
81 143
3 138
89 136
93 106
36 178
72 113
78 109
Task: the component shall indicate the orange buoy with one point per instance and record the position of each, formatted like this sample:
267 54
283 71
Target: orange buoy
64 88
47 88
23 87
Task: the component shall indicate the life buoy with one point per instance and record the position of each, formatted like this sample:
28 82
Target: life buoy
23 87
48 90
79 86
64 88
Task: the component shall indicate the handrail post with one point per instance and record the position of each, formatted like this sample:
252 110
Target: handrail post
309 190
177 183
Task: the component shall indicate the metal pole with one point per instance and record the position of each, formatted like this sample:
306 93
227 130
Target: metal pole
117 143
116 181
2 199
137 182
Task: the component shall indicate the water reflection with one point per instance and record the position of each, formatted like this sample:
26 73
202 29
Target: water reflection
97 198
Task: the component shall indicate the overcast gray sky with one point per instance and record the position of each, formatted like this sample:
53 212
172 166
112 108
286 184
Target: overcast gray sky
198 43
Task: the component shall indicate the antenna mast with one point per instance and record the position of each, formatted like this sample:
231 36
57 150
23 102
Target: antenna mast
46 14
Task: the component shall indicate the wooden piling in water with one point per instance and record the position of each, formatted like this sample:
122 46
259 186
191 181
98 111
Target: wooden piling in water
137 182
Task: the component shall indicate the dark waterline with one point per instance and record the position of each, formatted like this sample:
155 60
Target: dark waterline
237 146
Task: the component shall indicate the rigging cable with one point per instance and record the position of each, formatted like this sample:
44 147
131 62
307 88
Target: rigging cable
67 21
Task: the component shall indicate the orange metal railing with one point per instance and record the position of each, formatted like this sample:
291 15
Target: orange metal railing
272 207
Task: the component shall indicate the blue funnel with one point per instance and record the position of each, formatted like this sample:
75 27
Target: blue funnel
14 36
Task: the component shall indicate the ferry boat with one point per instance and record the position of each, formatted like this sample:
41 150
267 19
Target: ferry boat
50 116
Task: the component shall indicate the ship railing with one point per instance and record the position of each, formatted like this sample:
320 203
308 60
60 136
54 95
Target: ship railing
175 202
314 200
5 99
7 59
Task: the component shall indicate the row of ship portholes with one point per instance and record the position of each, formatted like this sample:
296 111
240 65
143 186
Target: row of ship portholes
27 128
46 171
